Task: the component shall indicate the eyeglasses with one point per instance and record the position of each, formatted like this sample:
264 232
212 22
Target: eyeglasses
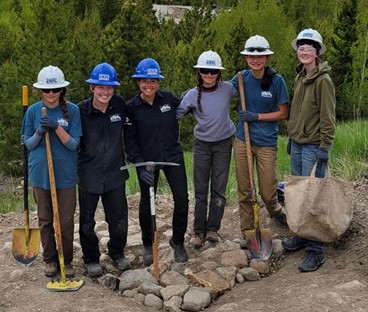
308 49
206 71
258 49
56 90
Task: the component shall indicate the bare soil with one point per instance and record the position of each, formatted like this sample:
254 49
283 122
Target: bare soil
339 285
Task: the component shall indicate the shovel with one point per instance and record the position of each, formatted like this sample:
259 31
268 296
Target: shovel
63 284
26 241
259 241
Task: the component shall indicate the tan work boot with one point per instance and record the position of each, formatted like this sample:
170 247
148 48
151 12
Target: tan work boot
69 270
212 236
198 240
50 269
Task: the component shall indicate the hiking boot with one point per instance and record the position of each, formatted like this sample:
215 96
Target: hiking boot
50 269
312 261
243 242
294 243
198 240
147 255
281 218
69 270
93 269
212 236
180 253
123 264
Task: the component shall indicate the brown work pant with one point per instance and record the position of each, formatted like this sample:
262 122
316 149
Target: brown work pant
265 160
66 206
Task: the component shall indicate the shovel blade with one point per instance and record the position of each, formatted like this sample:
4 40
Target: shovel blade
64 286
24 252
259 243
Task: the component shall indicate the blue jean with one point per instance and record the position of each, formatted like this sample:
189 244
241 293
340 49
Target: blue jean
211 164
303 159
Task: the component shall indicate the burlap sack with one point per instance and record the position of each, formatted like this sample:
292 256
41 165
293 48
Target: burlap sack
318 209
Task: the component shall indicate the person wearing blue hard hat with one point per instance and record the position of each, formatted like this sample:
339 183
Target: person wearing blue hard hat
101 155
152 134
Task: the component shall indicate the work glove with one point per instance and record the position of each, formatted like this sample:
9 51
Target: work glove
322 155
146 176
248 116
41 131
49 123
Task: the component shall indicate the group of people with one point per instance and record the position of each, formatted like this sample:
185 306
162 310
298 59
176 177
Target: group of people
90 140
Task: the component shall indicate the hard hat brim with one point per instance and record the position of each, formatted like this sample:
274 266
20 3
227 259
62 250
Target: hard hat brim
142 76
265 53
38 85
321 51
103 83
209 67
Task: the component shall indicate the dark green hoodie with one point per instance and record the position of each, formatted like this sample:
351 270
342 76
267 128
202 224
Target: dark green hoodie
312 114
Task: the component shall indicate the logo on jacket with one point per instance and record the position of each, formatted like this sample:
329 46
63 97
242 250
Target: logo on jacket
115 118
165 108
62 122
266 94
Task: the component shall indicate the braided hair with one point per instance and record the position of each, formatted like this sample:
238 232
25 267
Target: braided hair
200 88
63 105
268 75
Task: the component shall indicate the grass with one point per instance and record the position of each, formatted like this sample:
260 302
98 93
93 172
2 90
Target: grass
348 160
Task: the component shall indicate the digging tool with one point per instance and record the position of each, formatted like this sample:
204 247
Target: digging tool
150 166
63 284
259 241
26 241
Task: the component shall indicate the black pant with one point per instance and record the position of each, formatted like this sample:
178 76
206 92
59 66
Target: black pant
116 215
177 179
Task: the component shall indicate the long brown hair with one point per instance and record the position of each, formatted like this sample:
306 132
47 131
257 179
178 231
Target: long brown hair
200 86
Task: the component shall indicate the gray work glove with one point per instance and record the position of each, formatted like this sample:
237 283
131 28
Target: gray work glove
248 116
322 155
41 131
49 123
146 176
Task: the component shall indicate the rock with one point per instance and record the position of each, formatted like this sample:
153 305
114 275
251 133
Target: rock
173 305
227 273
208 290
134 278
209 254
101 226
139 297
173 278
353 285
235 257
195 300
109 281
7 246
260 266
210 279
210 265
239 278
134 240
277 249
153 301
129 293
173 290
250 274
150 288
16 275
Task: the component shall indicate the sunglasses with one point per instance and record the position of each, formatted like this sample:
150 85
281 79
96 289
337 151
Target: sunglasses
206 71
56 90
258 49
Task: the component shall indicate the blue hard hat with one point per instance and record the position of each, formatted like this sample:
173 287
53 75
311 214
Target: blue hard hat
104 74
148 68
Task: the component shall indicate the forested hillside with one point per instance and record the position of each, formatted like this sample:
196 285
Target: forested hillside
75 35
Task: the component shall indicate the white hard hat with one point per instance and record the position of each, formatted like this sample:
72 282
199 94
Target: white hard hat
309 34
50 77
256 45
209 59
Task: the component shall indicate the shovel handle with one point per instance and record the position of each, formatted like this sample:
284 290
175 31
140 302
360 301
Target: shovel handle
156 270
247 138
55 207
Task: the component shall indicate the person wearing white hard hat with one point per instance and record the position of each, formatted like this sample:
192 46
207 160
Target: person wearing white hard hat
266 103
100 157
209 102
311 127
64 127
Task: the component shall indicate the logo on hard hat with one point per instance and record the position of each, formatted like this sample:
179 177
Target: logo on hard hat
152 71
309 35
211 62
51 80
104 77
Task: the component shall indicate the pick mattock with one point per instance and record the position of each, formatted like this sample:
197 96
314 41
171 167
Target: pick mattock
150 166
63 284
259 241
26 241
